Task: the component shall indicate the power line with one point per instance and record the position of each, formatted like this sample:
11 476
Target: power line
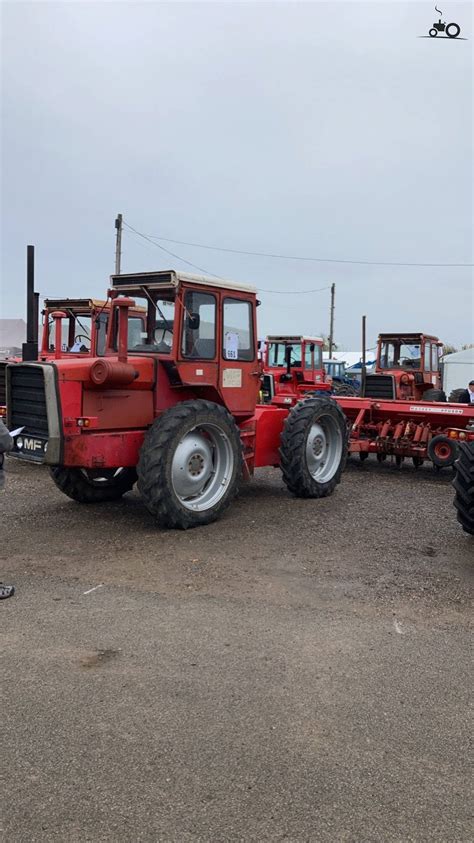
206 271
173 255
153 238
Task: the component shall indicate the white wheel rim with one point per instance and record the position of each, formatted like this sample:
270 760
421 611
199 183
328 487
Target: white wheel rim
202 467
324 446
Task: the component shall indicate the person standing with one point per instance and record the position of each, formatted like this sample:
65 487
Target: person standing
467 395
6 444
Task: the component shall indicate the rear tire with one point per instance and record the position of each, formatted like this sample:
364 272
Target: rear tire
313 448
455 30
455 395
442 451
94 486
344 389
464 487
190 464
434 395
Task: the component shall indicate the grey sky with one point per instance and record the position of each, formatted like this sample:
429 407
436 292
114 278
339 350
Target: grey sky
325 129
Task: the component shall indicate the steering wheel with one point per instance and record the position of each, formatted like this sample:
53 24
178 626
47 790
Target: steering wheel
82 337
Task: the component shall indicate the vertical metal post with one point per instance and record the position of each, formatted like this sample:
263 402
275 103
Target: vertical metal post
30 347
118 243
331 320
36 317
364 359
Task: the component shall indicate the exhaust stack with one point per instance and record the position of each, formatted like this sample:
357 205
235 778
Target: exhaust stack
30 347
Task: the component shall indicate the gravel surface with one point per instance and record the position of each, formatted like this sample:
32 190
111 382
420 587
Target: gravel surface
297 671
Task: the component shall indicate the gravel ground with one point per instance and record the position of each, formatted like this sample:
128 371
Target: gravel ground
297 671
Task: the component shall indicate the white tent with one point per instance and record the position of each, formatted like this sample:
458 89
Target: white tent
457 369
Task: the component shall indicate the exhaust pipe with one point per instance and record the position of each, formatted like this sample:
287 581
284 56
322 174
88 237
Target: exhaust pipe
30 347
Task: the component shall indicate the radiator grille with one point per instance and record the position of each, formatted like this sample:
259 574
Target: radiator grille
379 386
28 400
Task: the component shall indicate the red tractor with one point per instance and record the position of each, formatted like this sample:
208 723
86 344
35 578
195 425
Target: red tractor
407 368
82 326
293 368
175 407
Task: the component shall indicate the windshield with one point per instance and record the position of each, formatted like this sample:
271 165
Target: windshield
276 354
400 355
76 332
160 337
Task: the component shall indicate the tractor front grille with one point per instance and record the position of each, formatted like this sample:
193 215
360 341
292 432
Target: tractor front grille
3 378
27 406
379 386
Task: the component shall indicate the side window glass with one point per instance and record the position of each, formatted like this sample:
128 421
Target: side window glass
199 326
308 356
101 329
318 357
434 358
238 330
427 365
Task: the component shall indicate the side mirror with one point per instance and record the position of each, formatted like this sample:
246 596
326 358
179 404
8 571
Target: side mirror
193 321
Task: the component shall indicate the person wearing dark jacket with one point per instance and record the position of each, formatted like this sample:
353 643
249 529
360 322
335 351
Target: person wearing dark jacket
467 395
6 444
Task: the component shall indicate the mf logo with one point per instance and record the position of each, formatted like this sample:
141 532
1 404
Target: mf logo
26 443
451 30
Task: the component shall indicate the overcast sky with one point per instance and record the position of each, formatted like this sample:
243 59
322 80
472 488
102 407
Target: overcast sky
316 129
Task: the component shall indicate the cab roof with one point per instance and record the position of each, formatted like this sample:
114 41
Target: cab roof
81 305
286 338
131 282
411 337
84 304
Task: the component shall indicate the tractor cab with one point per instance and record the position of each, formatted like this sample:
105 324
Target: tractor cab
78 327
293 367
202 331
407 368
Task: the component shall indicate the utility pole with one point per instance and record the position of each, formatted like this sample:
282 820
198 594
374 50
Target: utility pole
118 243
331 320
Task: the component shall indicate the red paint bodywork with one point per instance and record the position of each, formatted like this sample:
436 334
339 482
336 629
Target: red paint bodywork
411 383
289 388
106 404
403 428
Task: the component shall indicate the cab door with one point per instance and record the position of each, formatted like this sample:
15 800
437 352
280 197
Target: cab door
239 375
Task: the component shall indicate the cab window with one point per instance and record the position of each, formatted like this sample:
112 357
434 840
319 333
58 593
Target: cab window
308 356
427 357
238 339
199 326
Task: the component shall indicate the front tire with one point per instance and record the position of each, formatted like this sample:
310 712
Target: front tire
455 395
313 448
434 395
94 485
190 464
344 389
433 33
464 487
